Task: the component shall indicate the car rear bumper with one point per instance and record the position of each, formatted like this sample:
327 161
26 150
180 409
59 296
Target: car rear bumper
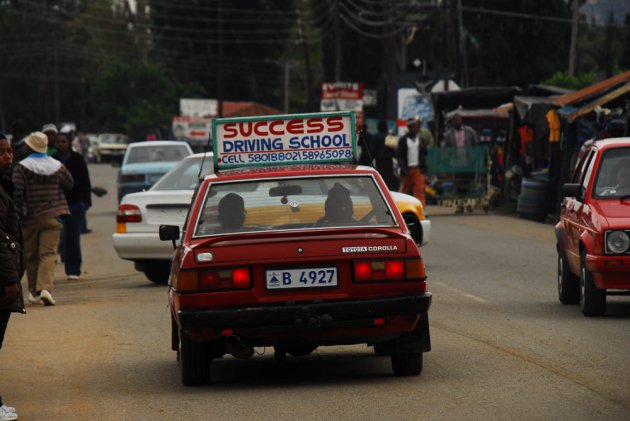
140 246
257 320
610 272
426 231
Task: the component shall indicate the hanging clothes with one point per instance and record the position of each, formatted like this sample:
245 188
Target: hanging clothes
554 126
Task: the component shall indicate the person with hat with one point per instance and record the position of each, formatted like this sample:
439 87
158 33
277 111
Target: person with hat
40 182
412 159
50 130
11 261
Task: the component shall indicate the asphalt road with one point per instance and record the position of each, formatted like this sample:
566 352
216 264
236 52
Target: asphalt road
503 346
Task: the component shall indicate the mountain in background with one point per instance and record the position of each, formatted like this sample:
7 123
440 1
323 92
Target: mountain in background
598 11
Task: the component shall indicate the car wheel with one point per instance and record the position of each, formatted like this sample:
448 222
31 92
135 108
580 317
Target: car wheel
157 271
592 299
568 283
407 364
415 228
194 361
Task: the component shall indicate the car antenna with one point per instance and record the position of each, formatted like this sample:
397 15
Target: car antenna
205 152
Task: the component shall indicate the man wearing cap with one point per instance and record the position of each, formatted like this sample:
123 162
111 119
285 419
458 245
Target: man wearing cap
40 182
50 130
412 159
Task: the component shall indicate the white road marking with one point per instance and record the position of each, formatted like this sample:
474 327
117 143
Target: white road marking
462 293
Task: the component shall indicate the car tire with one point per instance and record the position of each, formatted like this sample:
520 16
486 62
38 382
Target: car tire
592 299
157 272
415 228
382 349
407 364
194 361
568 283
301 350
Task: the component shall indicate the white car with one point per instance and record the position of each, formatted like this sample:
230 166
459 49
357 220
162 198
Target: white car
141 214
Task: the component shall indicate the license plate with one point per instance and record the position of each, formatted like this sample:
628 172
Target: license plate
301 278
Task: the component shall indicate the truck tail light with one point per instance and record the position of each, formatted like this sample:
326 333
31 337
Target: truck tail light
225 279
389 270
125 215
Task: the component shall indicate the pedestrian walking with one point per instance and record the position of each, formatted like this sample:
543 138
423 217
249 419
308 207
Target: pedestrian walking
412 160
79 199
40 182
50 130
384 156
11 259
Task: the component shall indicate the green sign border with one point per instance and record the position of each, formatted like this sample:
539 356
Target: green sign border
217 121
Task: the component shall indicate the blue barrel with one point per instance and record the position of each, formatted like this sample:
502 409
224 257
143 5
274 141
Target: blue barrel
533 202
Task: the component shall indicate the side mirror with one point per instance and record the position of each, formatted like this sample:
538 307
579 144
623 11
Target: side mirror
570 190
169 232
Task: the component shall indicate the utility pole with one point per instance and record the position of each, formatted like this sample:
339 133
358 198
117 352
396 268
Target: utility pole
307 62
286 86
463 61
337 12
220 58
574 35
56 77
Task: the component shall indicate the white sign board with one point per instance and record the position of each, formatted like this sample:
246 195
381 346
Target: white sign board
284 139
189 107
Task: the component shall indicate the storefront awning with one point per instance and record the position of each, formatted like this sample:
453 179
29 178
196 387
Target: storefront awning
591 91
599 102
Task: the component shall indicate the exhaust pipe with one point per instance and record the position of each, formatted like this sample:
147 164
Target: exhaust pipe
238 348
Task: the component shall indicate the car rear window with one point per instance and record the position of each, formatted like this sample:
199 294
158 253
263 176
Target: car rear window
184 176
293 203
613 174
165 153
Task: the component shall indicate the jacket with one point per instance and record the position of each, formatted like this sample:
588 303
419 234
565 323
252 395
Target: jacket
470 137
40 182
401 153
81 190
11 254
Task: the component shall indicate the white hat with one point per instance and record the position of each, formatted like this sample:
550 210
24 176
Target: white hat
66 129
49 128
38 142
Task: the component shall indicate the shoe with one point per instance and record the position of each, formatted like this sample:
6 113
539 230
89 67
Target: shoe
47 298
74 277
34 299
6 415
86 231
8 408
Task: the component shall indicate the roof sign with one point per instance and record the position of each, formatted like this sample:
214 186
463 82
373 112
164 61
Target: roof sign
284 139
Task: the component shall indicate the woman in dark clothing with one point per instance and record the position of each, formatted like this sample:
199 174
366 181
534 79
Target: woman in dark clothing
79 199
384 157
11 262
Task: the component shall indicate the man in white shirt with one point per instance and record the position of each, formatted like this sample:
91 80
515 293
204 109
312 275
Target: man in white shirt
411 154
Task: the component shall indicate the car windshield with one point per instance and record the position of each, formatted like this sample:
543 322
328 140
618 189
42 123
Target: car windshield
613 175
293 203
155 153
111 139
184 175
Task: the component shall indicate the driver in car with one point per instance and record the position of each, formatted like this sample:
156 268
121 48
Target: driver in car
232 212
338 206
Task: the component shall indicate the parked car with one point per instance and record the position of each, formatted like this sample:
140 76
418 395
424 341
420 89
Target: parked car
593 235
146 162
110 147
140 215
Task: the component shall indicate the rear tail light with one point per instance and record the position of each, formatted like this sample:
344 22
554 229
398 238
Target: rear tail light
389 270
132 178
128 213
125 214
225 279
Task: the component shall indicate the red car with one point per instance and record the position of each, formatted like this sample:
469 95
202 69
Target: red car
593 235
295 257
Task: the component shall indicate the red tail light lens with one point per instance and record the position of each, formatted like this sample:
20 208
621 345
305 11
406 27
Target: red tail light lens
381 270
226 279
128 213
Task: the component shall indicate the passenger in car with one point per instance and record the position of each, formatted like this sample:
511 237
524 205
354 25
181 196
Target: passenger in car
232 211
338 206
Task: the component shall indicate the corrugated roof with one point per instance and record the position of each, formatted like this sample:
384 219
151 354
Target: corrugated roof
592 90
602 100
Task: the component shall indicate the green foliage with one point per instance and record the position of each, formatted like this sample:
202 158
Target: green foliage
565 80
134 98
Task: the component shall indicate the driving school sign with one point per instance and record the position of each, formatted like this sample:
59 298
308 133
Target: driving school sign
284 139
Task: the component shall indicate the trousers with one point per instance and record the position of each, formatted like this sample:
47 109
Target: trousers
41 238
414 183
